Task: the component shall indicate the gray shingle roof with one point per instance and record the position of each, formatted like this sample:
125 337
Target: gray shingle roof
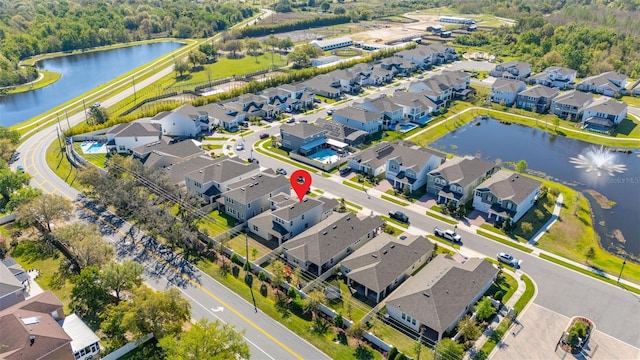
540 91
222 171
190 111
182 149
604 79
508 185
508 85
8 282
442 290
135 128
290 212
177 172
221 112
607 106
358 114
379 154
383 259
329 237
384 104
413 99
251 189
302 130
574 98
523 67
462 170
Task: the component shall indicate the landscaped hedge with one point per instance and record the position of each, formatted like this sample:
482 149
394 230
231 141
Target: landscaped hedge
267 29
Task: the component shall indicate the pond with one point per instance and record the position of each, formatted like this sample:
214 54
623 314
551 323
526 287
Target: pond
80 73
583 166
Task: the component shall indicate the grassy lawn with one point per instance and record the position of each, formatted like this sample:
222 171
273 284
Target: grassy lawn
35 255
394 221
586 272
213 138
48 78
444 218
443 241
394 200
573 234
224 68
513 244
238 245
349 306
325 100
223 222
353 185
356 179
507 284
292 318
353 205
282 155
96 159
212 146
58 163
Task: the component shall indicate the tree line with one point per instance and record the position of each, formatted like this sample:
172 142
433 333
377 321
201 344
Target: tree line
266 29
33 27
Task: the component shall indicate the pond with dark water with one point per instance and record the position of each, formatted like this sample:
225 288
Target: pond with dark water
583 166
80 73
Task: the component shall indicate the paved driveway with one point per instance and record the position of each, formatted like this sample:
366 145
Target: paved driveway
538 334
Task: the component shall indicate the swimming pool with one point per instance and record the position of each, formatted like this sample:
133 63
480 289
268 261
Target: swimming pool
403 128
93 148
325 156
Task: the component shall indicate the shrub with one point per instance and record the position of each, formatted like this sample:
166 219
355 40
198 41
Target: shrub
392 353
235 259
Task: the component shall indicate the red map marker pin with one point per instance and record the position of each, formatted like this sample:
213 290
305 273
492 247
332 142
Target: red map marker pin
300 182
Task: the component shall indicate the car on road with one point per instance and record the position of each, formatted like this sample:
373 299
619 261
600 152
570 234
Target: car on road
447 234
330 112
239 146
281 171
401 89
399 215
508 259
253 160
20 168
291 120
96 105
264 135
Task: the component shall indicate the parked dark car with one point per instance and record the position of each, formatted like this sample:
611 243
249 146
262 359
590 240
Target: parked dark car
399 215
264 136
345 170
253 160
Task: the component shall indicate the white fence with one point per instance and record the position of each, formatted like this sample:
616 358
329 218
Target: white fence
125 349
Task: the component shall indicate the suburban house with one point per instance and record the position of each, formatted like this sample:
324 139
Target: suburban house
331 44
391 112
513 70
358 118
433 89
383 263
536 98
434 300
506 195
604 113
185 121
227 118
37 328
165 152
300 95
325 244
251 196
288 217
12 289
636 90
176 172
429 55
608 84
555 76
456 178
324 85
252 105
349 80
416 107
571 104
345 134
209 182
373 160
505 91
125 137
398 65
303 138
408 167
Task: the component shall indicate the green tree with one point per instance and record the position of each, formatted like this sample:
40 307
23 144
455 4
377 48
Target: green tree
206 340
285 44
313 301
539 214
526 227
299 58
159 312
89 297
44 210
196 58
22 196
86 243
521 166
10 181
468 328
590 254
234 46
253 45
283 6
325 6
181 67
122 277
99 115
277 275
111 326
448 349
484 309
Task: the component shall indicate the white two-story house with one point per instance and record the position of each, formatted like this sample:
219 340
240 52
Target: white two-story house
506 195
408 167
358 118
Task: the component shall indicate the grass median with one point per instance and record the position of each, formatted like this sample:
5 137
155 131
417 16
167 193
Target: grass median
446 219
513 244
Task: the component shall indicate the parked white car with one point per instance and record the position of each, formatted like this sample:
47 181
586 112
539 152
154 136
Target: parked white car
508 259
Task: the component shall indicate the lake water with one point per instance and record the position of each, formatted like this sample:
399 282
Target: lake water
552 155
80 73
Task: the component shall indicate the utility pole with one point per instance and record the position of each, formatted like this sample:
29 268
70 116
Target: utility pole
67 116
58 131
86 117
248 267
624 262
135 96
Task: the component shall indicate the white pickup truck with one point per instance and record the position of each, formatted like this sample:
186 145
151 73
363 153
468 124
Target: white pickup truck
447 234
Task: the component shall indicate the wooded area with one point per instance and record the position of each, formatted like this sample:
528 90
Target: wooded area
32 27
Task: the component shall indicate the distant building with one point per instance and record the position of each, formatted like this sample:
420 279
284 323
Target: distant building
514 70
331 44
456 20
